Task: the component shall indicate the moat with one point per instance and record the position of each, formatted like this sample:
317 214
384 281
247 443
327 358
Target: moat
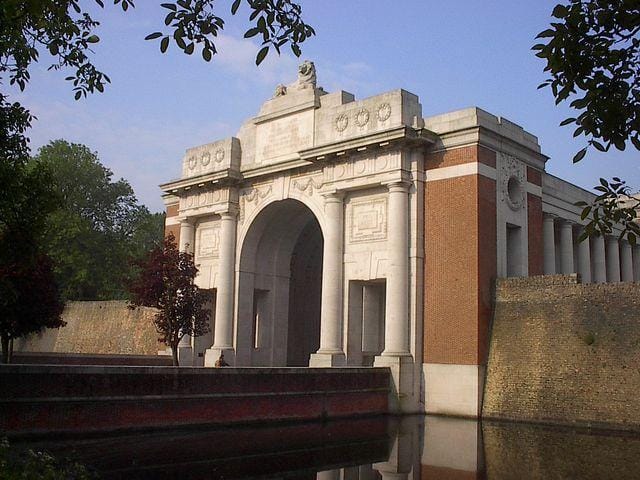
413 447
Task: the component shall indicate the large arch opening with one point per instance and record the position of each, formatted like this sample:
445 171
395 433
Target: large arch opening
279 287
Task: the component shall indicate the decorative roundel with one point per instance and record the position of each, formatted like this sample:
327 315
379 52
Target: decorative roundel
384 112
514 193
205 159
362 117
193 161
342 121
219 155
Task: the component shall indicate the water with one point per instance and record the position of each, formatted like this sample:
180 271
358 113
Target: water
386 448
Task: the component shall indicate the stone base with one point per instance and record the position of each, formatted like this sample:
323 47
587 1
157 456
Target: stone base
453 389
402 398
212 355
327 359
185 356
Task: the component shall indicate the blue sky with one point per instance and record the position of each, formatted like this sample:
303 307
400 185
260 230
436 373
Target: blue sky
452 54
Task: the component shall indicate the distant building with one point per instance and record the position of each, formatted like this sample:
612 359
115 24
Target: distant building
342 232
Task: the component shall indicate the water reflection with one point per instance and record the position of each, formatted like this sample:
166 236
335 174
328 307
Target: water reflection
414 447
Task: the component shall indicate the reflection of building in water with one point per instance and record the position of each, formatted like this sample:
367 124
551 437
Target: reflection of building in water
341 232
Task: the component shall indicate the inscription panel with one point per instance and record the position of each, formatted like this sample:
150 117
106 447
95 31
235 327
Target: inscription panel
284 137
368 220
208 242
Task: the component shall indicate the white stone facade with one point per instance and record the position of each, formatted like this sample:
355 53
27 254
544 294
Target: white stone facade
309 226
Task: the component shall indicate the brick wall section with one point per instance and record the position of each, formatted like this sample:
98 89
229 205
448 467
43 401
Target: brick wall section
460 262
172 212
534 176
517 450
534 213
459 156
107 327
36 398
565 353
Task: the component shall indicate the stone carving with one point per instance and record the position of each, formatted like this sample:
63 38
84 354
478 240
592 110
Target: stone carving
198 198
308 184
341 122
384 112
208 242
193 162
368 220
280 91
250 197
362 117
219 155
306 75
205 159
513 182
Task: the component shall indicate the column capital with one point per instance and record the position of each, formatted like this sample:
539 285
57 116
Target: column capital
334 196
402 186
231 212
549 216
185 220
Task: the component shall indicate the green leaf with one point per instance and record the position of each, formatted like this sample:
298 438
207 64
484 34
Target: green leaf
164 44
262 54
169 6
567 121
252 32
235 6
93 39
560 11
580 155
153 36
206 54
189 48
78 95
547 33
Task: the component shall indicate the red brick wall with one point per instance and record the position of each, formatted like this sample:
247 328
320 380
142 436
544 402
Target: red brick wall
460 260
172 211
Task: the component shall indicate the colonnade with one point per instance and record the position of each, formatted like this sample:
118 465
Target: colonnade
596 259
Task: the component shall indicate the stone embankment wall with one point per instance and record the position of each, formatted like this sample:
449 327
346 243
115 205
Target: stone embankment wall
99 328
565 353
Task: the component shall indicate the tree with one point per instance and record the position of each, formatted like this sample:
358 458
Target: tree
97 227
166 282
592 55
64 30
30 300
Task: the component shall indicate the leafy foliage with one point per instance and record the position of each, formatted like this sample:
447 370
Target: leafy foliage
166 282
193 22
30 300
98 225
614 205
592 55
18 465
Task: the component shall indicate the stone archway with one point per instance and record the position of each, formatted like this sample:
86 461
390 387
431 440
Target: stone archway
279 287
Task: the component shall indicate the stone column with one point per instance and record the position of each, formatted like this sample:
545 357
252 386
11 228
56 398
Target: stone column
636 263
566 247
613 259
549 245
396 354
599 274
186 244
584 260
330 353
223 331
396 331
626 262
